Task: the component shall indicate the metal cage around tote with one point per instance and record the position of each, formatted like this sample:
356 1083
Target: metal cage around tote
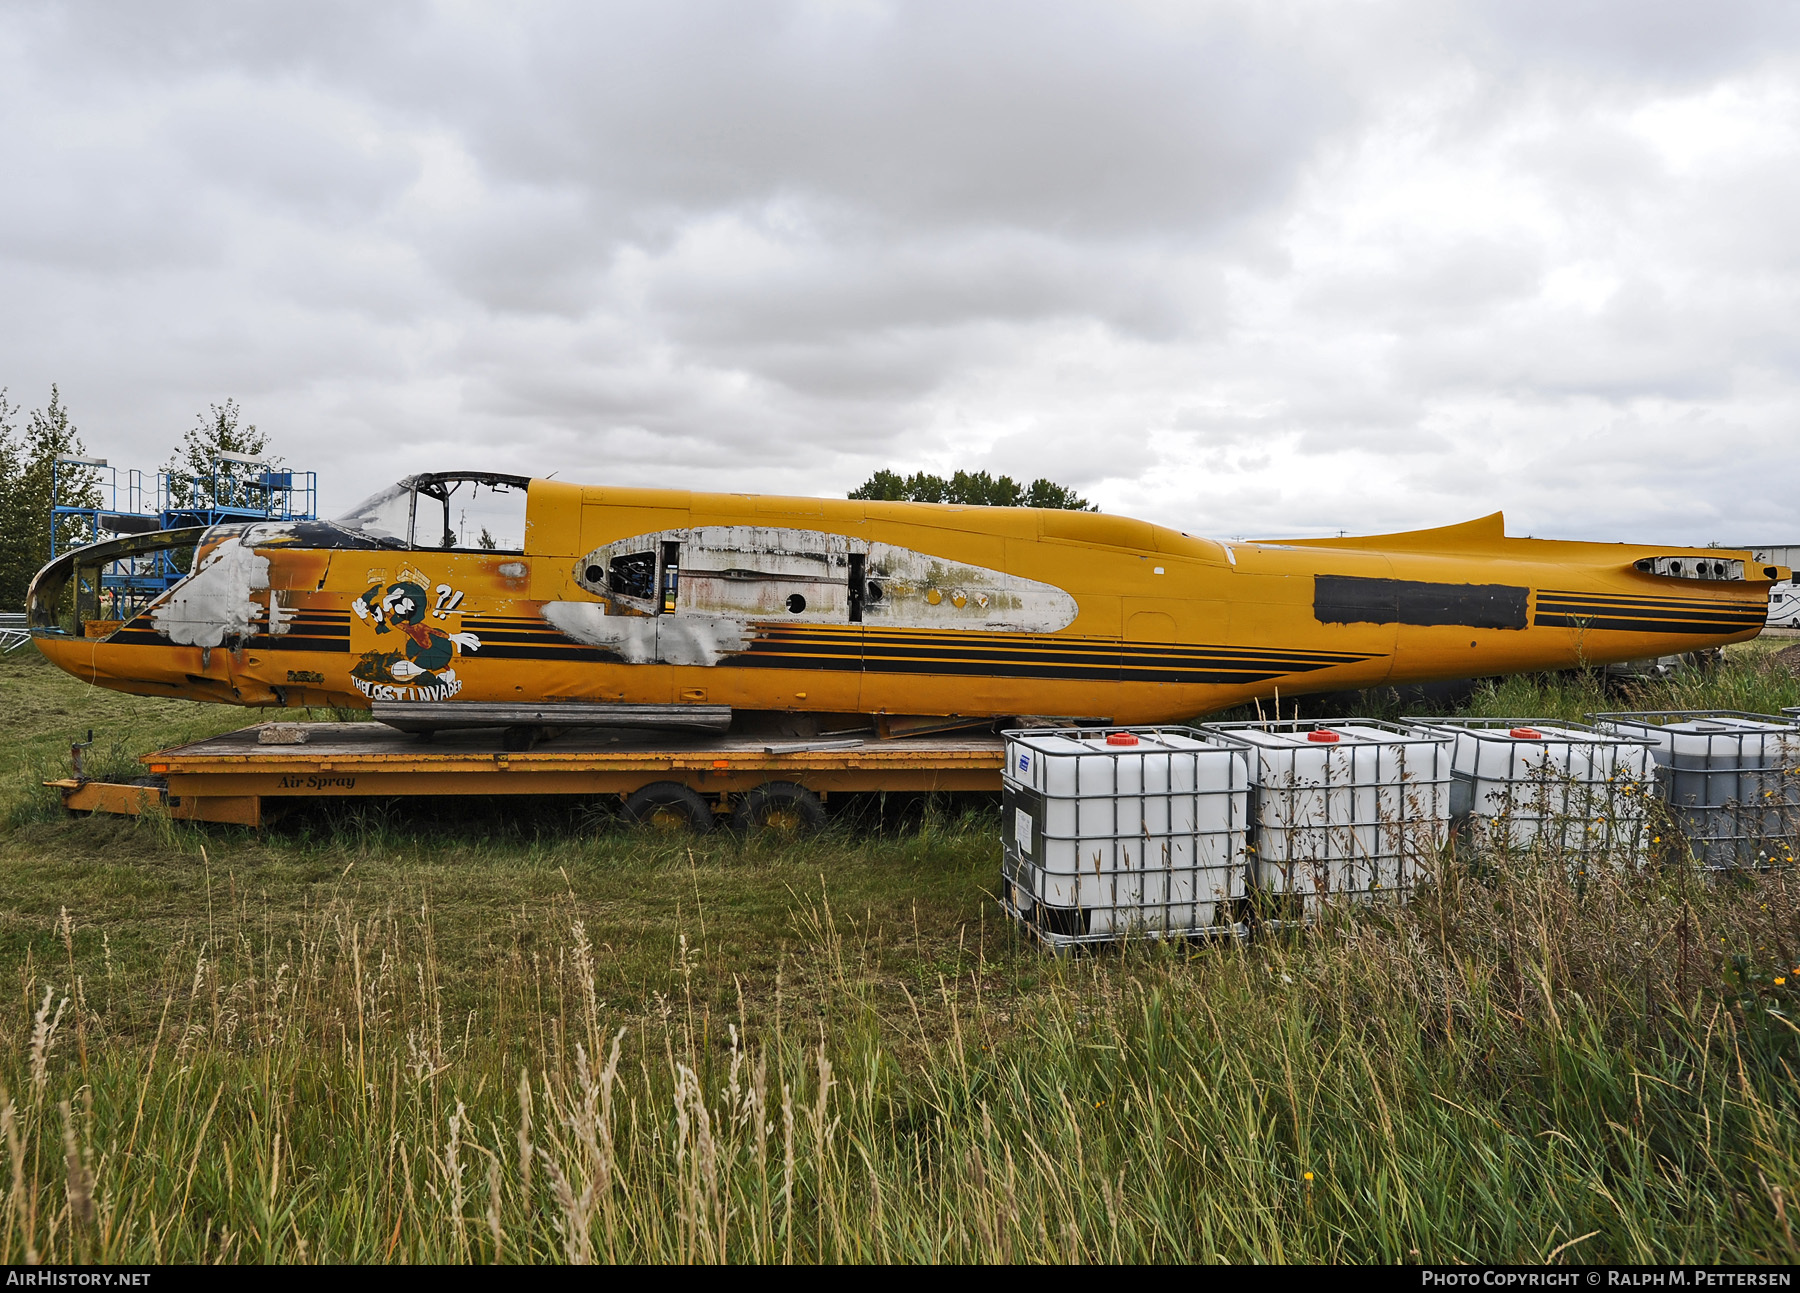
1731 780
1350 811
1119 832
1566 787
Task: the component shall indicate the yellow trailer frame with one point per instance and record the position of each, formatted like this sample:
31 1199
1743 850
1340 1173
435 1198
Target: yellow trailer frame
237 778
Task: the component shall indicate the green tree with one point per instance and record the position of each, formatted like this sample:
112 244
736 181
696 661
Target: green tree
28 473
190 471
977 489
1047 493
13 554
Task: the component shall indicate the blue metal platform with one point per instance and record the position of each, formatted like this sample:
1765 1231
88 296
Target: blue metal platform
235 490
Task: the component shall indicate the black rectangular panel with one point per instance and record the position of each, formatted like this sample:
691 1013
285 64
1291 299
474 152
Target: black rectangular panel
1352 599
1022 806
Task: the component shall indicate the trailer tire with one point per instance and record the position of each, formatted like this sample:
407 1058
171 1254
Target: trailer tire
785 807
669 806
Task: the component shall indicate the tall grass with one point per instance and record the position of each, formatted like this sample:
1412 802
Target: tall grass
1751 680
382 1036
1511 1068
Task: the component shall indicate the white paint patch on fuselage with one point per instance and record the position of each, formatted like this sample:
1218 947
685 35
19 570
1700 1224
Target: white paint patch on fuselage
271 533
214 602
920 591
651 639
757 573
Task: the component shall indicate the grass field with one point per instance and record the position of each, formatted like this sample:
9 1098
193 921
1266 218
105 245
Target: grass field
453 1032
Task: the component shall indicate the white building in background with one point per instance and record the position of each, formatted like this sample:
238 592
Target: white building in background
1774 554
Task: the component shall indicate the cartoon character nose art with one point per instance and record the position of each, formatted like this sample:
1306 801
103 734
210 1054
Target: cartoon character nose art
417 666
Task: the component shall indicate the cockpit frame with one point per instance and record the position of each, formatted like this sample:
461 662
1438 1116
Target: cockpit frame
437 485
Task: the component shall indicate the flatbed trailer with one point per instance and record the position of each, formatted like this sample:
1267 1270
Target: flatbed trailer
244 779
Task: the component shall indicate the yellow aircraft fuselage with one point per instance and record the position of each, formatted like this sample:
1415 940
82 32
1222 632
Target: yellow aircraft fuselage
667 597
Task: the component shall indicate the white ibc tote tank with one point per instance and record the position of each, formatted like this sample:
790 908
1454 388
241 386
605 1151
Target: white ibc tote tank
1353 810
1732 779
1111 830
1522 781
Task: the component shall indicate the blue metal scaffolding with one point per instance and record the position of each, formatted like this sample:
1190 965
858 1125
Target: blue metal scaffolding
87 505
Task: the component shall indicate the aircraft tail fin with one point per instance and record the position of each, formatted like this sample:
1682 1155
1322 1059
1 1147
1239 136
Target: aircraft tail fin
1484 534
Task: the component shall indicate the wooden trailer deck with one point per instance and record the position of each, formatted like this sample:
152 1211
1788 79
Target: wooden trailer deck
237 778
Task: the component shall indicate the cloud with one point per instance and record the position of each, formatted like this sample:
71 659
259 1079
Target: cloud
1242 268
1666 43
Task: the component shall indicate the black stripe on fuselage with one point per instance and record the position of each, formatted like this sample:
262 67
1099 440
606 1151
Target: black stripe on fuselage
297 641
837 649
530 637
1633 599
1626 613
1024 657
927 641
1719 616
851 648
1617 625
1356 599
548 651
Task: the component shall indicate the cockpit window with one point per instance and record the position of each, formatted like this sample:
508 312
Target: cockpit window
387 515
476 511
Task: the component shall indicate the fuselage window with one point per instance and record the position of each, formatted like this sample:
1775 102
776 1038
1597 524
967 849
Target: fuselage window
633 575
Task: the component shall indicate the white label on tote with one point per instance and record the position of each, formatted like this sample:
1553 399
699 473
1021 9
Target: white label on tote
1022 829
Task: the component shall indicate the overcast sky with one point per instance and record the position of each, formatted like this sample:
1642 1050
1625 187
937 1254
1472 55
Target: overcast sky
1246 269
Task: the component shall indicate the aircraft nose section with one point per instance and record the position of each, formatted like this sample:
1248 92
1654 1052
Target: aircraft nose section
72 655
68 592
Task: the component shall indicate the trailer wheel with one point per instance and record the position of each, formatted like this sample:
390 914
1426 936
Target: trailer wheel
669 807
785 807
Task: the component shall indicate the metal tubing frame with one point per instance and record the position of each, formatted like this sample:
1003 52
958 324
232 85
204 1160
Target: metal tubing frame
1727 834
1408 856
1622 803
1032 875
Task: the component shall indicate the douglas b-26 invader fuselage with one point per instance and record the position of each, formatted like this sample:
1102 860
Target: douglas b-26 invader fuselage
458 598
